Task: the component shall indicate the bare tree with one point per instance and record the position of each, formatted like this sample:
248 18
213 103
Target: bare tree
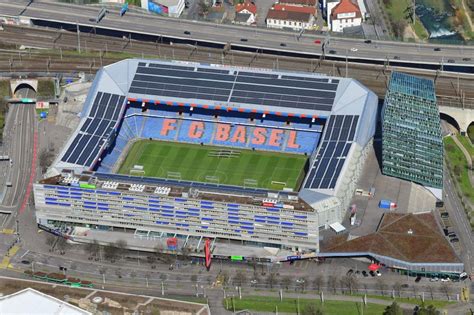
318 282
332 283
350 282
397 287
446 289
225 278
111 253
271 279
429 288
302 283
286 282
381 285
50 240
93 249
62 245
240 278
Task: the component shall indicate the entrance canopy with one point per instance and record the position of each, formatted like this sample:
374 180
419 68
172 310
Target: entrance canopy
337 227
373 267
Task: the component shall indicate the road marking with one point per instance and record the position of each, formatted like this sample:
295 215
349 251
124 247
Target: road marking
6 259
26 253
32 173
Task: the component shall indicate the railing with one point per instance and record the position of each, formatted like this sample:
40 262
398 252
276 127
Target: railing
450 101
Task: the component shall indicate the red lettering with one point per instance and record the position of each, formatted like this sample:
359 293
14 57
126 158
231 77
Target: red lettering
168 125
196 129
259 135
239 134
275 137
292 140
222 132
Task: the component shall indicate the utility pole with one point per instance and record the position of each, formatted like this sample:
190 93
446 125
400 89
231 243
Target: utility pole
162 288
78 38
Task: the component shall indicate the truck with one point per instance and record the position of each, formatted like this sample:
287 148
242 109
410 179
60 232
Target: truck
387 204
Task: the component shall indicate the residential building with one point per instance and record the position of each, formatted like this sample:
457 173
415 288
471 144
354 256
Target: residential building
344 14
301 3
412 146
245 13
289 19
293 8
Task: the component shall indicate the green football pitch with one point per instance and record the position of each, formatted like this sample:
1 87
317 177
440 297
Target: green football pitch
218 165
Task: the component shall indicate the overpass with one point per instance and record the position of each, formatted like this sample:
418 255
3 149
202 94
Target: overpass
240 38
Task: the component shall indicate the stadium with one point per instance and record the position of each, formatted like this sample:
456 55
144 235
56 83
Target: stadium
256 159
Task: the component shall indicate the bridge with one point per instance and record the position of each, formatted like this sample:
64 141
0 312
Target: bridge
239 38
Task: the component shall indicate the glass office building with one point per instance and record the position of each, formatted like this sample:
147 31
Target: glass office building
412 146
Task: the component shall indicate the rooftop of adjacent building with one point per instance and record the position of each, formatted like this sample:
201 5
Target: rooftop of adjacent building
412 85
246 5
288 15
345 6
292 8
311 3
414 238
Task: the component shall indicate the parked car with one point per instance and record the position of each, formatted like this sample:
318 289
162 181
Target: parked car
378 273
418 279
466 59
445 279
445 215
349 272
364 273
454 240
332 52
434 279
372 273
451 235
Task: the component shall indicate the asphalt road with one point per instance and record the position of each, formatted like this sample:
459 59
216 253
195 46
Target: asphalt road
223 34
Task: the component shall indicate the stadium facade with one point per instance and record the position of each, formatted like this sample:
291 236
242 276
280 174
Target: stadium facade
330 120
412 146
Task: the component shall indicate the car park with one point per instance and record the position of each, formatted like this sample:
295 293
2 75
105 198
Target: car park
418 279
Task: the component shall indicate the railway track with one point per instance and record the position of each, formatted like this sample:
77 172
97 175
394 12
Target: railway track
50 50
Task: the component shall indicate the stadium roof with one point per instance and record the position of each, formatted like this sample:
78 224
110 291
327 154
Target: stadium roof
30 301
349 107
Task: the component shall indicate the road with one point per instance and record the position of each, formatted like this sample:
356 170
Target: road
223 34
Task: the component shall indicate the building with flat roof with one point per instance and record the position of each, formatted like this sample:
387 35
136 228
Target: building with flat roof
327 121
412 146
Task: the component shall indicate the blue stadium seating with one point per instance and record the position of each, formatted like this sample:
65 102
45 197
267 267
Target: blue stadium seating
308 141
206 133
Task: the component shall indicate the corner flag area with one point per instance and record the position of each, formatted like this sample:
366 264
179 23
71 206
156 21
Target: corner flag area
217 165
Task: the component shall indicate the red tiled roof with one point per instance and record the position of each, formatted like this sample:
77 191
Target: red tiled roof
345 6
292 8
288 15
247 5
310 3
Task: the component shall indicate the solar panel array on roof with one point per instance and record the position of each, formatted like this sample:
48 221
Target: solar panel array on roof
237 87
102 118
332 154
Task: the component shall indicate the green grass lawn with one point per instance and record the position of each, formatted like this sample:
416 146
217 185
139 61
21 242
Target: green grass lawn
290 305
467 144
4 89
435 303
470 132
45 88
197 163
457 158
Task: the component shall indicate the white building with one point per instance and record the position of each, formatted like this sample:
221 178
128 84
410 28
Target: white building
343 14
245 13
288 19
172 8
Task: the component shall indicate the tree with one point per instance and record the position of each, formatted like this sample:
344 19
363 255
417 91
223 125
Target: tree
318 282
121 246
62 245
286 282
240 278
332 283
427 310
271 279
93 249
350 283
429 288
225 278
50 240
382 286
457 170
397 287
203 7
111 253
446 289
312 309
393 309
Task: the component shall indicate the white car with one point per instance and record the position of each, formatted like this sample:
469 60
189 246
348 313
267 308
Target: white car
300 281
253 281
378 273
353 49
435 279
445 279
